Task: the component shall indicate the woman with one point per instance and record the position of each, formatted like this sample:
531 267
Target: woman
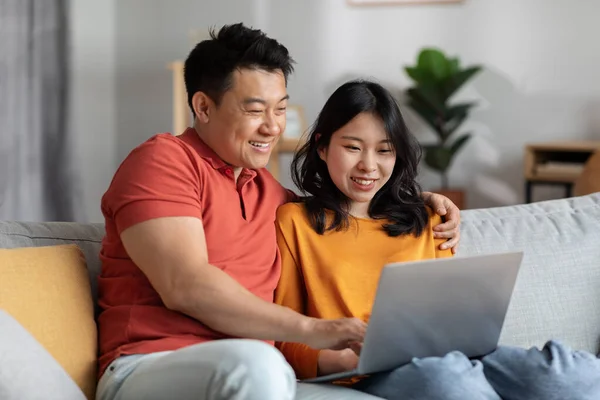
364 210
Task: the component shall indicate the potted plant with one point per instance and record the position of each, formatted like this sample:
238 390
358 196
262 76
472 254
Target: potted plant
436 79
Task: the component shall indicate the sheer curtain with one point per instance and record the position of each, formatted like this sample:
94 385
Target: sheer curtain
38 181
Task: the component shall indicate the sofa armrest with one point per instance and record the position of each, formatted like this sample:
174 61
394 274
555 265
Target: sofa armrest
27 370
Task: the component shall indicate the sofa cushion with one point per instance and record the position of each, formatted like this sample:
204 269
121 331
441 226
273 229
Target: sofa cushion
557 295
46 289
87 237
27 370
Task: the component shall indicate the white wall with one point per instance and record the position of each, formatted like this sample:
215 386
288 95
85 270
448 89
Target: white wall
149 35
540 83
92 97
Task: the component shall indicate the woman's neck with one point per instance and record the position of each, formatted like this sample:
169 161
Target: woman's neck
359 210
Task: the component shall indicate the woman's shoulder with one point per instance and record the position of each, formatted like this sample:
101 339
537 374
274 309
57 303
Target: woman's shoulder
434 218
290 213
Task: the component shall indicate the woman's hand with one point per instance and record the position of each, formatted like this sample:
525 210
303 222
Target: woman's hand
334 361
450 229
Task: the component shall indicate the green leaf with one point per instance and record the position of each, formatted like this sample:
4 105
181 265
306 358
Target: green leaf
453 66
454 124
429 96
437 157
456 115
459 143
459 109
456 81
419 75
428 115
435 62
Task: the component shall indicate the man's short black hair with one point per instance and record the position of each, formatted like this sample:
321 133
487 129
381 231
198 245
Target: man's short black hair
210 64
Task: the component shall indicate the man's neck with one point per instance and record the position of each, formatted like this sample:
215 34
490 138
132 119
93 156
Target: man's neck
202 135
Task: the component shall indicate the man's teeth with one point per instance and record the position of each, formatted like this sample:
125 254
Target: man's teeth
259 144
363 181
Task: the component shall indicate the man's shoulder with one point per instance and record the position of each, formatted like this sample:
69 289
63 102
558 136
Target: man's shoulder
152 166
161 144
162 151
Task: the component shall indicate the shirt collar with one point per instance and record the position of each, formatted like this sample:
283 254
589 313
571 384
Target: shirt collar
191 137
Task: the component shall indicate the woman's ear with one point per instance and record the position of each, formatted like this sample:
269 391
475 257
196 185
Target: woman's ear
201 104
321 150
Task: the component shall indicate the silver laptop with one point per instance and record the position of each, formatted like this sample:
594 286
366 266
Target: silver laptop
432 307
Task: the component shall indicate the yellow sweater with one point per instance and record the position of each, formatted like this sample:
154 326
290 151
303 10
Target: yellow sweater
335 275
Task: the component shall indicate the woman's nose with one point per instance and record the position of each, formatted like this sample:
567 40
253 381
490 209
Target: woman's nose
367 164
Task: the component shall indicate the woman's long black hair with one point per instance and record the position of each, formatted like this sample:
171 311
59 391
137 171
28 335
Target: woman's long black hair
399 201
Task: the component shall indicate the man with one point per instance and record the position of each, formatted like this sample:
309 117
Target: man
190 261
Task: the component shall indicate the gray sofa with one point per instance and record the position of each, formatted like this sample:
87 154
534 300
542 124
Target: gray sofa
557 293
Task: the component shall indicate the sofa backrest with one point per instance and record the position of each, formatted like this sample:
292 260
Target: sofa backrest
28 234
557 295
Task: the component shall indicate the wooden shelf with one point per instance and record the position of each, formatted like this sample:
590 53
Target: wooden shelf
541 157
584 146
560 163
287 145
182 116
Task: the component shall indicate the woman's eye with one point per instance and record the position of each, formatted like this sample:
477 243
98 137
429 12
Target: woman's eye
385 151
353 148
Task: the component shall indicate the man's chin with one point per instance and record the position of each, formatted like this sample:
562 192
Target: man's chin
257 163
255 166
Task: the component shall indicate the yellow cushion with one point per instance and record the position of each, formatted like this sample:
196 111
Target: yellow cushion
47 290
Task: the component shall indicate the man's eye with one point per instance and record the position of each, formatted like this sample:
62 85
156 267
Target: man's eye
282 109
255 111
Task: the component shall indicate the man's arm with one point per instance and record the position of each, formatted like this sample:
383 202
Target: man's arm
450 229
172 254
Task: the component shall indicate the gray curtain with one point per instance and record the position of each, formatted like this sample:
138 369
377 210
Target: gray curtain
38 181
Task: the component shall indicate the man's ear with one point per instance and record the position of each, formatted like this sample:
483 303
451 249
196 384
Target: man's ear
202 105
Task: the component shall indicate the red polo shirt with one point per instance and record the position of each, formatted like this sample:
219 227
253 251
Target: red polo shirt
181 176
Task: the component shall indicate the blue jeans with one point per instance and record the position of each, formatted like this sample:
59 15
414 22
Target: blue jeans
509 373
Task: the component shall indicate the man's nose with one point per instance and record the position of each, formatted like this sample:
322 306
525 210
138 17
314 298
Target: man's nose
271 125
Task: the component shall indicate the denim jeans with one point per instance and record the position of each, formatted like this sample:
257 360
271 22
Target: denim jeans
509 373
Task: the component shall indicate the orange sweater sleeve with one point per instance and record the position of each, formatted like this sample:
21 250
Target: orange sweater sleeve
434 220
291 293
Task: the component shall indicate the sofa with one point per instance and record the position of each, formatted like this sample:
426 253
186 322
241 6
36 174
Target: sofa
557 294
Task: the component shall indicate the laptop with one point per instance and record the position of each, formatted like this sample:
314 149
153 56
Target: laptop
432 307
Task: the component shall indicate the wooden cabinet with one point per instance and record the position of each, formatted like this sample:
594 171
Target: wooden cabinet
556 163
182 118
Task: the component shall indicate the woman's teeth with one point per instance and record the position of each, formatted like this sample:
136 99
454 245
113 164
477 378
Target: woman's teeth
364 182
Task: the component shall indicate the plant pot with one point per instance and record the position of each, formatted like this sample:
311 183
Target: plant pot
457 196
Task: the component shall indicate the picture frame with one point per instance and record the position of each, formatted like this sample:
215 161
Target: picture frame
399 2
295 122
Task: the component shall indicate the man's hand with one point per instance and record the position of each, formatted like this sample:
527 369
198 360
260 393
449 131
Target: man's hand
332 362
334 334
450 229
